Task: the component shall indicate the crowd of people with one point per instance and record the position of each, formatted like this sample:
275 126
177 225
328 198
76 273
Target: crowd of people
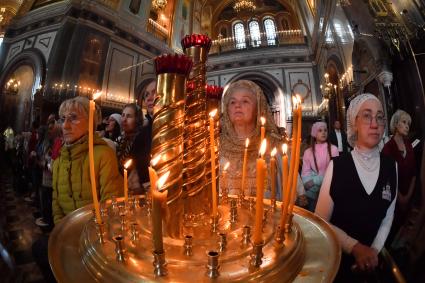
344 177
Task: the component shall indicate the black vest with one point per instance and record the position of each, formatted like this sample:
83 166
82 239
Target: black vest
357 213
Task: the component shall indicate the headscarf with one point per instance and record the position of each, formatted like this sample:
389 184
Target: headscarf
352 112
117 118
232 147
316 127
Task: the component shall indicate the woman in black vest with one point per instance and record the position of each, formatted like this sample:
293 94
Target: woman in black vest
358 191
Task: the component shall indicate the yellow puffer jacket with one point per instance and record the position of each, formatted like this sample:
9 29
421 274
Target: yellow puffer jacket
71 176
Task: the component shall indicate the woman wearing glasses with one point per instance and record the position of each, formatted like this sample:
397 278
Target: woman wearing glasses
359 190
71 178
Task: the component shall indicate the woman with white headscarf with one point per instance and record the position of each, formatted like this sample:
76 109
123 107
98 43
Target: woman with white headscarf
359 190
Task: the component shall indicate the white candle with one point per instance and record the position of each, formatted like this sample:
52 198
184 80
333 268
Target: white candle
126 165
259 205
245 160
263 129
159 199
213 173
92 110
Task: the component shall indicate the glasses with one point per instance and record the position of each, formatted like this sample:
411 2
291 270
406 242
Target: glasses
72 118
366 118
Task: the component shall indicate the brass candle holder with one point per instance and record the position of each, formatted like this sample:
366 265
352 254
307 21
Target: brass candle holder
195 159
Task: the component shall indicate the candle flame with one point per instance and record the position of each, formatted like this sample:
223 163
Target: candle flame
212 113
247 142
263 147
161 181
97 95
284 148
263 121
128 163
299 100
155 160
273 153
226 166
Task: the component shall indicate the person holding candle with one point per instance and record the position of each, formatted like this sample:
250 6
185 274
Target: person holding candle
315 161
135 144
359 190
243 106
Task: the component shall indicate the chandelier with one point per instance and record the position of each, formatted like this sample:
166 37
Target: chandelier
158 5
12 86
244 5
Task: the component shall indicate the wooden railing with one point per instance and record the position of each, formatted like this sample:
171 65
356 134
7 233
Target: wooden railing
157 30
283 37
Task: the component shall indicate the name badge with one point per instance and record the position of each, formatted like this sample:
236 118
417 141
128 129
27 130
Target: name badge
386 192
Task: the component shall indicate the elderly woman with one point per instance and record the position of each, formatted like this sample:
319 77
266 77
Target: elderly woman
400 149
135 143
315 161
243 105
71 178
359 190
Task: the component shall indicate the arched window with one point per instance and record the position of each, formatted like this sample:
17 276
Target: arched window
254 30
270 28
239 32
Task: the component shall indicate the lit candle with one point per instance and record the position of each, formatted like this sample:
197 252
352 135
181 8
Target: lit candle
92 109
273 172
296 157
292 169
226 166
153 177
213 177
259 206
126 165
159 199
263 129
284 167
245 160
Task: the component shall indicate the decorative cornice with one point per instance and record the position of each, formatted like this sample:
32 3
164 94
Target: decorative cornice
102 19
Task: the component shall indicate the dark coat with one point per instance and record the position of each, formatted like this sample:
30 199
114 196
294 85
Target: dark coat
333 139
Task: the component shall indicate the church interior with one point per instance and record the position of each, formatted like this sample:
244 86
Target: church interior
327 52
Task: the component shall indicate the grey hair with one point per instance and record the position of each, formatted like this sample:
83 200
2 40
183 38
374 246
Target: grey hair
80 105
395 119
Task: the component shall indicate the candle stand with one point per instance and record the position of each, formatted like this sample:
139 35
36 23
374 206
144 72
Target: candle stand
308 253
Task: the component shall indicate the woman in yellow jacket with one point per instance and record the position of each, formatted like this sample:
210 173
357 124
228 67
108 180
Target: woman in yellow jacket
71 177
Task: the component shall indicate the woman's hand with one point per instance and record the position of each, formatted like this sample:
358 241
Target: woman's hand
302 200
366 257
309 184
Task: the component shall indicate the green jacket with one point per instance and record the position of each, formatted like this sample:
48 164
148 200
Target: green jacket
71 176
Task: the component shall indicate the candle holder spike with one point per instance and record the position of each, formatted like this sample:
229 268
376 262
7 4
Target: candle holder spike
119 248
213 266
188 245
280 235
214 223
134 231
100 231
233 211
246 236
159 263
222 242
257 255
273 205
